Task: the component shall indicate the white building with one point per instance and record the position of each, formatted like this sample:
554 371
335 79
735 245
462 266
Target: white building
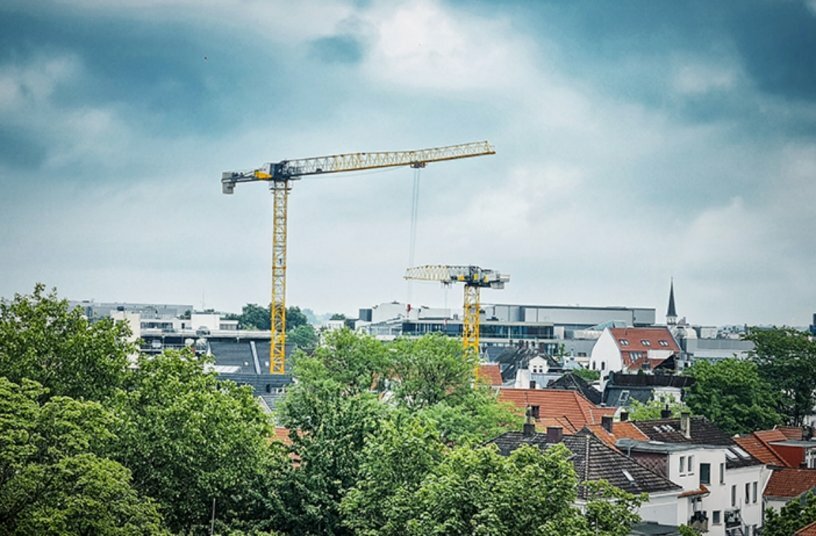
632 349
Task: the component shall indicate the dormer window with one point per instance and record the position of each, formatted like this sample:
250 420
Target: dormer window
624 342
663 343
644 342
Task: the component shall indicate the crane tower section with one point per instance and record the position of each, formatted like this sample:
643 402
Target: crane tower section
279 176
474 278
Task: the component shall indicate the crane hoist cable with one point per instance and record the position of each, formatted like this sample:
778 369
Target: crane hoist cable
280 175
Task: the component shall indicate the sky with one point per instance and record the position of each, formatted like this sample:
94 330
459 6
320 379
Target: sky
636 142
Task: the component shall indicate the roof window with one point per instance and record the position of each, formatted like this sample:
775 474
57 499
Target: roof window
661 342
644 342
624 342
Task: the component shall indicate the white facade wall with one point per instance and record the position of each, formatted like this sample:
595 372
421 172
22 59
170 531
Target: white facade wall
720 487
606 356
664 508
210 321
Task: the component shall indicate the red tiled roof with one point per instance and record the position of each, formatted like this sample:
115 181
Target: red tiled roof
490 373
620 430
560 422
282 435
791 432
642 340
808 530
759 450
557 403
790 483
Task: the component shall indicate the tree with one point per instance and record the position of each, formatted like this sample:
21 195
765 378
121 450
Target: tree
44 340
791 517
190 438
304 337
54 476
295 318
337 316
651 410
611 511
254 316
732 394
787 359
587 374
430 369
394 463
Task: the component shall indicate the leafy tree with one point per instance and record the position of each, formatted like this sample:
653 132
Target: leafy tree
791 517
254 316
190 438
54 478
587 374
611 511
295 318
394 463
338 316
732 394
43 339
787 359
430 369
304 337
638 411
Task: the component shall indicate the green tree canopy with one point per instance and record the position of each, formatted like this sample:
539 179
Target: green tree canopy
44 340
304 337
54 476
732 394
295 318
651 410
190 438
792 517
787 359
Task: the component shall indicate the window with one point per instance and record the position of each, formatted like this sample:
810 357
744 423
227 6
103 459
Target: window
624 397
623 342
663 343
682 464
733 495
603 365
705 473
754 492
747 493
535 411
722 473
644 342
715 517
691 465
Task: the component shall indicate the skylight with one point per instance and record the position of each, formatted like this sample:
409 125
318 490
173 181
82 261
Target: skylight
644 342
628 475
741 452
730 455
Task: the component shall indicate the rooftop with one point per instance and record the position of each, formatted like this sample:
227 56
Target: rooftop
557 403
790 483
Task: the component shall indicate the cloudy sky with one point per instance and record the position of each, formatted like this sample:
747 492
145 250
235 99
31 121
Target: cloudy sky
636 141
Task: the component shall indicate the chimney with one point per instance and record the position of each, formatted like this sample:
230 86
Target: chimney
606 422
554 434
685 424
532 384
665 413
624 415
529 429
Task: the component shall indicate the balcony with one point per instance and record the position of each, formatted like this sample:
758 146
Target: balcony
732 518
699 522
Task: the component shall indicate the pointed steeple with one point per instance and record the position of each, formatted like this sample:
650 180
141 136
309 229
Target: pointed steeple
671 313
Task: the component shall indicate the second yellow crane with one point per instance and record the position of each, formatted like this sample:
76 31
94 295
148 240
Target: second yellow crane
280 175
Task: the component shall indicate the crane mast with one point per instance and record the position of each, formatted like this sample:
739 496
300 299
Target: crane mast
280 175
474 279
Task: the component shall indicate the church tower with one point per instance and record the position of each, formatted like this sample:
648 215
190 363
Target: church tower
671 313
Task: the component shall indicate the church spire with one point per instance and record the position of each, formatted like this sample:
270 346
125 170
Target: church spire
671 313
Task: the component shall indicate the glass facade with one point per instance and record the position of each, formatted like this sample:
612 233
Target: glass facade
486 330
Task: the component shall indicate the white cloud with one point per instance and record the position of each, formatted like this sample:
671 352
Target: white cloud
690 78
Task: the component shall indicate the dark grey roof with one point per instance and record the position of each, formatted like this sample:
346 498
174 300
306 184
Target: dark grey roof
650 380
612 395
574 382
702 432
650 528
671 310
593 460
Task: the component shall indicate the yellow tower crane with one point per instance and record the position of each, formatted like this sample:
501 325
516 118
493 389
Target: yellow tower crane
281 174
474 278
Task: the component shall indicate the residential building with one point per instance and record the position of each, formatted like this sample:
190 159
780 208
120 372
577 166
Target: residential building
787 485
556 407
593 461
621 388
722 483
788 446
632 350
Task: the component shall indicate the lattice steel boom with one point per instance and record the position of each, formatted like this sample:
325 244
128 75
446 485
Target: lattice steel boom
474 278
280 175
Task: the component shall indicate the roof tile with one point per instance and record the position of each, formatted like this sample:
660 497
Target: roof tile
790 483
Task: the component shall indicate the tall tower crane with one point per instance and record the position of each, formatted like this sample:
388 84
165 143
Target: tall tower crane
280 176
474 278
